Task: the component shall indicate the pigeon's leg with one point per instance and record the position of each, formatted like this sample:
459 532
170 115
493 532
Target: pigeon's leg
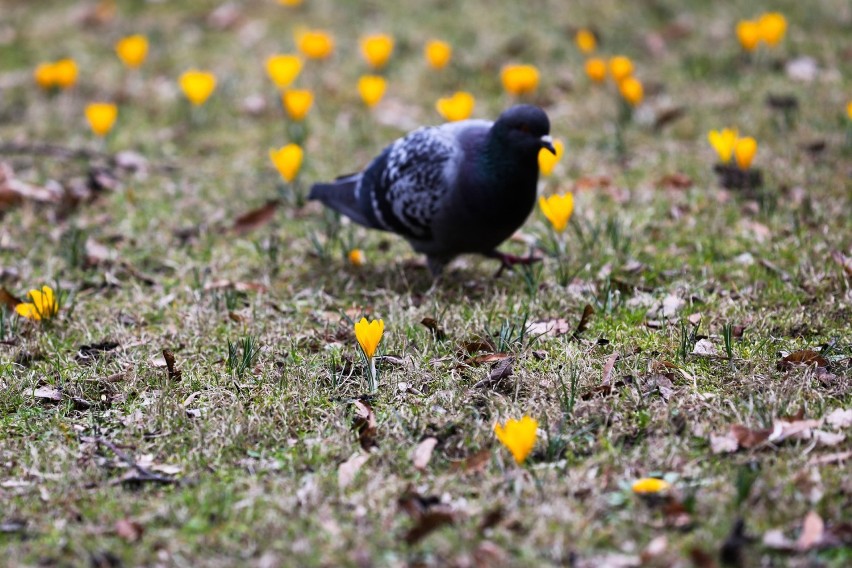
510 260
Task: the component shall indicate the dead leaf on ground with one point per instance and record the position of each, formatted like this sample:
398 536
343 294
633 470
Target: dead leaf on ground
8 299
839 418
428 514
432 325
173 372
477 345
813 532
474 463
364 424
238 286
502 370
552 327
608 367
129 530
705 348
803 357
487 358
585 319
256 218
87 354
838 457
676 180
423 453
347 471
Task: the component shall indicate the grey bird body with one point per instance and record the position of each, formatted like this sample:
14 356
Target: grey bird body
461 187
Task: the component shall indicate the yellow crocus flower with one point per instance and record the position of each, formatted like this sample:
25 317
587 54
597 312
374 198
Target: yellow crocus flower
558 209
372 89
585 40
744 152
620 67
65 73
297 103
457 107
437 53
748 34
596 69
197 85
101 117
723 142
369 334
548 161
314 44
132 50
43 305
772 26
283 69
649 486
518 436
631 90
519 79
288 160
376 49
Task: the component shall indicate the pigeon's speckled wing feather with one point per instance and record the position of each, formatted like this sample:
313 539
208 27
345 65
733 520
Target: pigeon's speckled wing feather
405 186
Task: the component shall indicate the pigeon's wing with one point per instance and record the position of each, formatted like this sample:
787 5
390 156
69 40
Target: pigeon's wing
403 188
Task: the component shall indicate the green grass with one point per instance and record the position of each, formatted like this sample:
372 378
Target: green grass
259 439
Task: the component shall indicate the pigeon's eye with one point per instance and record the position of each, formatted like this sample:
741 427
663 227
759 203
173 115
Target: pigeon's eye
524 128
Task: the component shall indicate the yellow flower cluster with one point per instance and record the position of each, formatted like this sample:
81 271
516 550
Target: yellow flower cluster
60 74
621 69
769 28
43 305
728 144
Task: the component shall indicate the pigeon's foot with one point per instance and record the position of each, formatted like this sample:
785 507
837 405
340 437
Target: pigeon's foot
510 260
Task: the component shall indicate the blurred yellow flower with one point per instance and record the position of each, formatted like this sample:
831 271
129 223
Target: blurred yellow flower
372 89
596 69
457 107
283 69
291 3
849 110
438 53
772 26
101 117
748 34
314 44
519 79
297 103
620 67
369 335
44 76
356 257
65 73
42 306
585 40
547 161
558 209
649 486
197 85
631 90
723 142
744 152
518 436
132 50
376 49
288 160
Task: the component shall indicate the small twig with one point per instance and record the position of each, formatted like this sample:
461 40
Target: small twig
144 473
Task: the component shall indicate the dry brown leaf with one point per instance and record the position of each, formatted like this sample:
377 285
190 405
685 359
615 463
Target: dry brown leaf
474 463
803 357
676 180
129 530
433 326
428 522
173 371
7 299
748 438
588 312
477 345
607 370
48 394
423 453
796 429
256 218
839 418
347 471
364 424
552 327
813 532
488 358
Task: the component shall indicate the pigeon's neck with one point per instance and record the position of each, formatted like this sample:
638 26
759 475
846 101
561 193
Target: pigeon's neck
508 167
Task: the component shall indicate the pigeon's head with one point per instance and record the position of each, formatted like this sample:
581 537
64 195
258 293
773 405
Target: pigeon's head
525 128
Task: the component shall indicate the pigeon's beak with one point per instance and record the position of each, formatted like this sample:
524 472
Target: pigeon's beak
547 142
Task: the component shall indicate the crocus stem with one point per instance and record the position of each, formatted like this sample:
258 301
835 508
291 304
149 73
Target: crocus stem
373 382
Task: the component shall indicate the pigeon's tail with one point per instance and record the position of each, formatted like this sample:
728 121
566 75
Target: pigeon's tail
340 196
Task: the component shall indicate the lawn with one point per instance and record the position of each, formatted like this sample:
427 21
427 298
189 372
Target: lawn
200 398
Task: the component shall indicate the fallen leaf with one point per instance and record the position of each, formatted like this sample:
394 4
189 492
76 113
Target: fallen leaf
607 370
748 438
705 348
474 463
488 358
839 418
174 373
347 471
776 540
129 530
724 444
803 357
8 300
433 326
585 319
813 532
423 453
477 345
827 439
837 457
86 354
668 116
552 327
428 522
797 429
364 424
48 393
255 218
239 287
676 181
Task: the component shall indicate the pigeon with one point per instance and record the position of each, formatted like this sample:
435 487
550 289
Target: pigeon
457 188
